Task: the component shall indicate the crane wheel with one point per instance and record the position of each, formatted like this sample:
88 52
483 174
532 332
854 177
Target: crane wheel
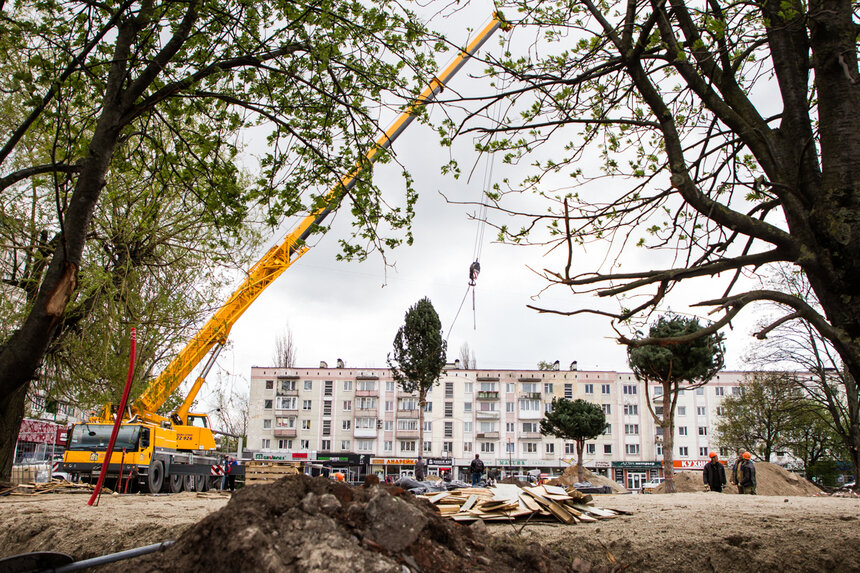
175 483
199 483
188 482
155 478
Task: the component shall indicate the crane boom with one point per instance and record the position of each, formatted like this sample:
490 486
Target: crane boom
279 258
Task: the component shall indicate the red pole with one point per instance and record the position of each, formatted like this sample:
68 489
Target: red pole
121 466
117 422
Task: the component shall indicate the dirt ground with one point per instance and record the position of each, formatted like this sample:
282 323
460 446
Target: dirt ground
693 531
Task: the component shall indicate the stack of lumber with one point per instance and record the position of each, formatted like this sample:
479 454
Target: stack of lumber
509 502
53 486
258 472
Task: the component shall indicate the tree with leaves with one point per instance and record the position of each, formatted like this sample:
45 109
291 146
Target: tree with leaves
721 136
418 358
95 84
684 361
575 420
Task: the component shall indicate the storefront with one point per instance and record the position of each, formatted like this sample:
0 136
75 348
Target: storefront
39 441
633 474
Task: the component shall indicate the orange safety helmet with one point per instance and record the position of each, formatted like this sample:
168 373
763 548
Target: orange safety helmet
746 455
713 454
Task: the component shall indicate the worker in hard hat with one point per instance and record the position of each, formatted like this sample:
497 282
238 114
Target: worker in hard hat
338 476
734 475
746 475
713 474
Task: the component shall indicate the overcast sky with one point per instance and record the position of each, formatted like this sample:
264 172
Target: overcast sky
352 311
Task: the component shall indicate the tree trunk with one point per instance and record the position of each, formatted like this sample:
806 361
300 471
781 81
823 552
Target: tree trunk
668 425
580 445
11 414
422 401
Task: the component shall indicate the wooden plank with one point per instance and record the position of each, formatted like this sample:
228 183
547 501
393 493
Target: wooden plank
469 503
438 497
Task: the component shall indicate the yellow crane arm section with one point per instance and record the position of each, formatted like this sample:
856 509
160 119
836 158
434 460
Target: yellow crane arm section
280 257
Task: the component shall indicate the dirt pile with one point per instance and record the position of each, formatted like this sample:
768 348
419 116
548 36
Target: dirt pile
570 476
313 524
771 479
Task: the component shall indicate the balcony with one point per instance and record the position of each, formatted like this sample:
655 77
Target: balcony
530 435
488 395
364 433
407 413
486 414
371 393
530 414
412 434
285 432
529 379
488 436
280 392
530 396
286 411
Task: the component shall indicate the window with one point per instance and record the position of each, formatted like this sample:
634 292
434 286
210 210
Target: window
388 446
267 424
449 409
682 410
389 386
509 406
449 429
285 444
328 388
590 448
659 430
428 446
682 430
467 447
509 427
288 423
407 445
631 429
632 448
589 388
658 410
530 405
547 407
683 451
487 386
306 404
569 448
607 408
449 390
703 430
487 447
347 385
629 389
267 404
389 406
631 410
346 425
306 424
547 388
366 385
509 388
659 450
344 445
530 447
607 448
304 444
467 407
658 391
487 427
347 405
700 391
700 410
703 452
487 406
365 423
389 425
288 385
568 391
364 445
467 387
326 428
467 427
270 384
407 425
608 430
605 389
530 427
428 426
327 408
365 403
309 384
719 391
448 447
407 404
550 448
325 445
736 390
721 411
286 402
509 448
265 444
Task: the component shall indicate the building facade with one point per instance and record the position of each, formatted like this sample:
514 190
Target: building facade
359 419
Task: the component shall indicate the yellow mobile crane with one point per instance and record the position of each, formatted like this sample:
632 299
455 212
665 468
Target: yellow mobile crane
177 452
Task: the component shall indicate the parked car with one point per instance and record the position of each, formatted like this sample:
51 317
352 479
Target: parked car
649 487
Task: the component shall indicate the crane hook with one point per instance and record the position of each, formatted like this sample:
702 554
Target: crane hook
474 270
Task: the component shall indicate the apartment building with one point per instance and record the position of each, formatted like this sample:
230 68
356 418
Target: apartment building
358 418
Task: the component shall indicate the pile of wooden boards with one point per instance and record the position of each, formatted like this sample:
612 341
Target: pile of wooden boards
509 502
257 472
53 486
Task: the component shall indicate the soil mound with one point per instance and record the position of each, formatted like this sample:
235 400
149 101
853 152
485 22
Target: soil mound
570 476
771 479
303 524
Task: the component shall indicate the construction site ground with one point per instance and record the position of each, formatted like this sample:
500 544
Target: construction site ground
690 531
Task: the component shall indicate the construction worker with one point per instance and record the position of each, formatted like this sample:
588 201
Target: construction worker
420 469
734 477
477 469
713 474
746 475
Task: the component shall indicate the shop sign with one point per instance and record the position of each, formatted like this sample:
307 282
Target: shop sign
392 461
285 457
40 432
692 464
637 465
602 464
511 462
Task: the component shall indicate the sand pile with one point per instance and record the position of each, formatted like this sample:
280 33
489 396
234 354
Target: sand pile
771 479
313 524
571 476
